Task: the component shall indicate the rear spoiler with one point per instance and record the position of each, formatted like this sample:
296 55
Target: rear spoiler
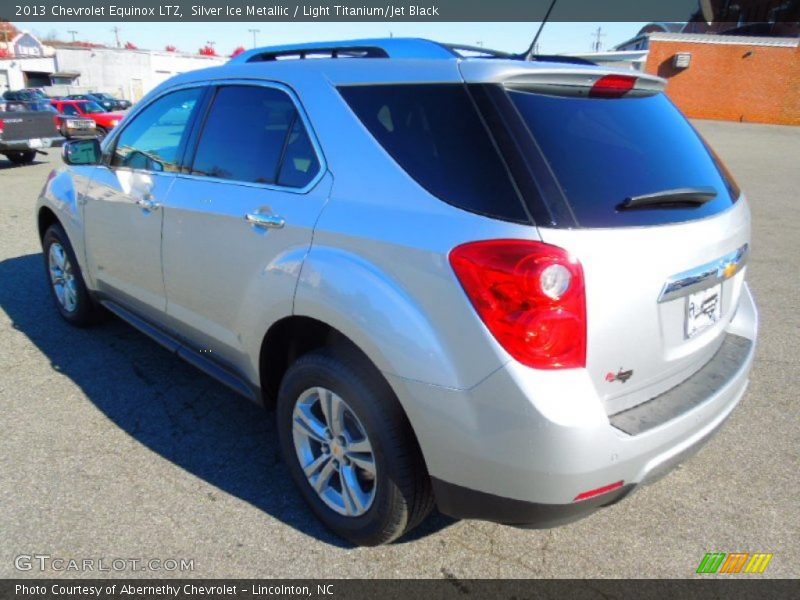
566 81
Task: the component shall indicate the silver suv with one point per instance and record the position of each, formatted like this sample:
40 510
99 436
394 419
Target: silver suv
512 289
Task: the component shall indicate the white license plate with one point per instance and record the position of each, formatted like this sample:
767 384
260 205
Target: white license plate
703 309
35 143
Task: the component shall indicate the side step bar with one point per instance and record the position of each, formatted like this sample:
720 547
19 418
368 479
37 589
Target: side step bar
194 358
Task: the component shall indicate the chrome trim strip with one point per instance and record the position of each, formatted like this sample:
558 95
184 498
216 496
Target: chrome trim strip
704 276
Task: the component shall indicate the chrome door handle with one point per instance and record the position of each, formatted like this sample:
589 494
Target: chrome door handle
266 221
148 204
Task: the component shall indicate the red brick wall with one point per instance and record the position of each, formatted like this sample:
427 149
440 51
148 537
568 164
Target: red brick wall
731 82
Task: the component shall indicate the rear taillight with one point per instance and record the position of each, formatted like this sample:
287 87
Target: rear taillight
612 86
2 126
530 296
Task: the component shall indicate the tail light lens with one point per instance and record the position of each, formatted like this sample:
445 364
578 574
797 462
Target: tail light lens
2 126
612 86
530 296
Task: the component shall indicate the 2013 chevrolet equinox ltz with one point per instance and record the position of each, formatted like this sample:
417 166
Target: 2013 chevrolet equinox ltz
514 289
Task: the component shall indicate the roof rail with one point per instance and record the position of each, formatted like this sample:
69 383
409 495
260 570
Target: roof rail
414 48
368 48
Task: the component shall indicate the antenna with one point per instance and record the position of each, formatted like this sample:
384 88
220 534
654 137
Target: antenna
533 49
116 30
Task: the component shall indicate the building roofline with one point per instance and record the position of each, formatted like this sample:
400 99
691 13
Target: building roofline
739 40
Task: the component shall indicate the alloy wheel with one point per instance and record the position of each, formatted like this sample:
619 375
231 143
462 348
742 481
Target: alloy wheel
334 451
62 278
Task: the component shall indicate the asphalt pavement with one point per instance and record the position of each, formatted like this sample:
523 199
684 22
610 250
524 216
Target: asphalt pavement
111 448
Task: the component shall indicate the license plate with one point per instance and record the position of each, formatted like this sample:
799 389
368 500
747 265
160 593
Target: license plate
35 143
703 309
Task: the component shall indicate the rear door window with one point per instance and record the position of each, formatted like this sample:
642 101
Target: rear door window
435 134
254 134
603 151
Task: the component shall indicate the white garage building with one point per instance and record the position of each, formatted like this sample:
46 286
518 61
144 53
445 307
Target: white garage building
67 69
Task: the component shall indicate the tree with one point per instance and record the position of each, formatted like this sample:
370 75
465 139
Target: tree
4 53
131 46
7 31
171 48
237 51
207 50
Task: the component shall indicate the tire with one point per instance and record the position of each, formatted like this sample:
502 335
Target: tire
72 300
21 158
393 500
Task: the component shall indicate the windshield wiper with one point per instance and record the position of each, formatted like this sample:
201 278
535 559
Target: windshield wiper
677 198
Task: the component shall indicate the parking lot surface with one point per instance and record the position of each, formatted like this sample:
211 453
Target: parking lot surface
110 447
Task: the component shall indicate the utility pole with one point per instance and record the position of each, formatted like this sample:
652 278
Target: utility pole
597 44
254 32
73 33
116 31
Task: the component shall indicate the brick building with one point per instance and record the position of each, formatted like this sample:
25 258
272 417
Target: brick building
729 77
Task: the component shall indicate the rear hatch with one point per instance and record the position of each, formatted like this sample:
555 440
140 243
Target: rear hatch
623 182
26 125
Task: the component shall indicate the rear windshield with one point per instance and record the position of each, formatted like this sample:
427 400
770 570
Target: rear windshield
603 151
434 132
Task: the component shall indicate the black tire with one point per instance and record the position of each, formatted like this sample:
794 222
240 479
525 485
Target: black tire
403 496
21 158
86 311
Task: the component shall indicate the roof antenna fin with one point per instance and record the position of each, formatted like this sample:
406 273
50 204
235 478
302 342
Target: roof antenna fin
531 52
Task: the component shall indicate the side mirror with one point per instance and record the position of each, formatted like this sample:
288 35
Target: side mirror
81 152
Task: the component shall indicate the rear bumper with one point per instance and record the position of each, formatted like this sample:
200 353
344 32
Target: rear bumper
73 133
522 445
24 145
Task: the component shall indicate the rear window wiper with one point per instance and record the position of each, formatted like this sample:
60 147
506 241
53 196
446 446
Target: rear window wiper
677 198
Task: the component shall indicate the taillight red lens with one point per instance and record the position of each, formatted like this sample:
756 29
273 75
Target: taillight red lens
2 126
530 295
612 86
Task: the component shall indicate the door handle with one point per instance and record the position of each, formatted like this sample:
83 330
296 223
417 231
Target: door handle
265 221
148 204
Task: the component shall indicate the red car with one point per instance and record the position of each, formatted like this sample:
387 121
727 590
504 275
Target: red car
105 121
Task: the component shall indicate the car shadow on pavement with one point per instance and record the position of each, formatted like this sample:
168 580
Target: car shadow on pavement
167 405
7 164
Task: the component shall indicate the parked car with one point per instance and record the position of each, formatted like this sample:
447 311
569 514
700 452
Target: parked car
104 121
20 95
24 132
70 126
117 103
512 289
107 101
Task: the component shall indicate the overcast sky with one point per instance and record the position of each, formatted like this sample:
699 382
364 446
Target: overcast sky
513 37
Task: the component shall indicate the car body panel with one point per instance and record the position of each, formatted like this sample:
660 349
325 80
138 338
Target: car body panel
123 252
254 270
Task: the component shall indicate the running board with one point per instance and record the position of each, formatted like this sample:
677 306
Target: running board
194 358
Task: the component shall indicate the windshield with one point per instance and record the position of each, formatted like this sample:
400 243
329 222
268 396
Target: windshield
91 108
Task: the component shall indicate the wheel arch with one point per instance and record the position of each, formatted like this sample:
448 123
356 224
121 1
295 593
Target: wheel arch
45 218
